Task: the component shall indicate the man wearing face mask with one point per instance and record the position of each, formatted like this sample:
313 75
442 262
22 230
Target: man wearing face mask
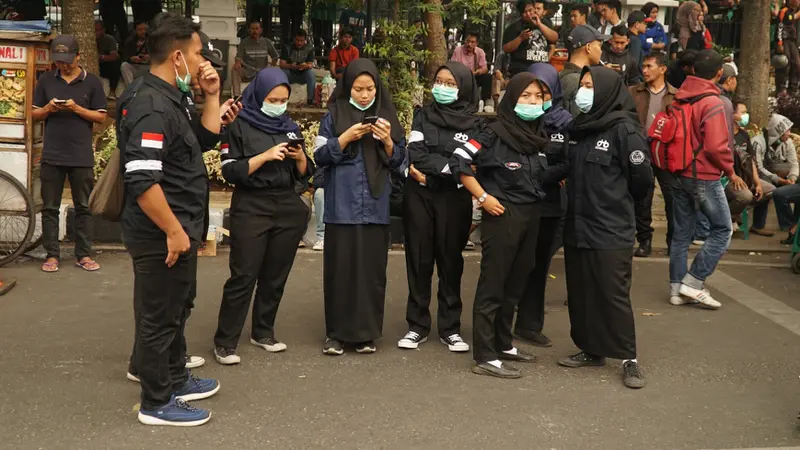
586 43
161 141
754 191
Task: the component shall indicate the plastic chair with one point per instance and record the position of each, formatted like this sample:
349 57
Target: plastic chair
746 224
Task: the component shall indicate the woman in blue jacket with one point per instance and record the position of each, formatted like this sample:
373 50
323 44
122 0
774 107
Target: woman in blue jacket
655 38
360 140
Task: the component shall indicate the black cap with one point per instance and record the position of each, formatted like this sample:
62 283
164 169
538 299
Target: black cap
584 34
636 16
212 55
64 48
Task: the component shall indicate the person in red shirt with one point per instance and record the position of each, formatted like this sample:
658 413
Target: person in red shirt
342 54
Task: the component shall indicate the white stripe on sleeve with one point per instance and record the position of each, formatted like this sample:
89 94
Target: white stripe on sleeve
143 164
460 152
416 136
227 161
446 170
320 141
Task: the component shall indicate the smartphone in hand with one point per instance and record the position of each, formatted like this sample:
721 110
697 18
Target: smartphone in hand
297 142
370 120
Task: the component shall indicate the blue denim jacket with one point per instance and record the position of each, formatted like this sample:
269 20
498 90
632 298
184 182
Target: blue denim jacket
348 200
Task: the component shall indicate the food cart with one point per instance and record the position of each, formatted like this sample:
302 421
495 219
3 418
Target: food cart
24 55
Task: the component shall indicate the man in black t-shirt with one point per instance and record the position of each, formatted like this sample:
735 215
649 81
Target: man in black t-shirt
69 100
528 40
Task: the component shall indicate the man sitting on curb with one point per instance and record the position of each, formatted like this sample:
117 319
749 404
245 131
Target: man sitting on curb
254 53
297 62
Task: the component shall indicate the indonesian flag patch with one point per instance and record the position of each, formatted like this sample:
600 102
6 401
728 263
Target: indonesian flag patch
223 149
473 146
153 140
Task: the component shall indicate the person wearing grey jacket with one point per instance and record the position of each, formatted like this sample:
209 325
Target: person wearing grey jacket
777 163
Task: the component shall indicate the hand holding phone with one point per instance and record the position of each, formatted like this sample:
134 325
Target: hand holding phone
297 142
370 120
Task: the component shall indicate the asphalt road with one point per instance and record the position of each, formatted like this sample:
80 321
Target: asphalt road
716 379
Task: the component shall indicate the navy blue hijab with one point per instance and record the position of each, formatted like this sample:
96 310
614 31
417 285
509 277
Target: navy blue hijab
556 118
253 97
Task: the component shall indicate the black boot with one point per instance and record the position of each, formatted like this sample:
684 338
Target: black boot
644 250
789 240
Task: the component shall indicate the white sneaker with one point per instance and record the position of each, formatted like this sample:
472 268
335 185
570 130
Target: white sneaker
411 340
702 296
488 109
319 245
480 106
677 300
226 356
193 362
698 242
132 377
454 343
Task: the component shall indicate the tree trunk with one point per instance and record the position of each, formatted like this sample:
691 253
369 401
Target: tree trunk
435 41
754 60
78 20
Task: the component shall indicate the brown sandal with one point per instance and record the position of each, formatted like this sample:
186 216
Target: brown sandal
762 232
50 265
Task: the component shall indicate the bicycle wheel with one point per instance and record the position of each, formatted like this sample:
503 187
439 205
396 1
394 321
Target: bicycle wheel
17 218
36 236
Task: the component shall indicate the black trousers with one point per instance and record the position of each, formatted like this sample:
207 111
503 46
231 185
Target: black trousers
81 181
145 10
485 84
115 18
508 244
792 71
436 229
111 70
530 314
643 209
266 228
162 299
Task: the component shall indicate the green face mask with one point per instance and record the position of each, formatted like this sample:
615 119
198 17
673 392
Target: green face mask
528 112
547 105
744 120
358 105
185 83
444 95
273 110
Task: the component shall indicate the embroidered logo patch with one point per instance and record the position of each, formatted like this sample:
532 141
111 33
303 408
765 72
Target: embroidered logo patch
602 144
558 137
291 135
637 157
513 165
461 137
223 149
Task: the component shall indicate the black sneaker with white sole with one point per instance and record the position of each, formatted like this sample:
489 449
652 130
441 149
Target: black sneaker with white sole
194 361
454 343
631 375
411 340
366 347
332 347
226 356
269 344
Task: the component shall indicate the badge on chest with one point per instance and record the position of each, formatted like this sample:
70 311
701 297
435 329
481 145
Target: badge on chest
602 144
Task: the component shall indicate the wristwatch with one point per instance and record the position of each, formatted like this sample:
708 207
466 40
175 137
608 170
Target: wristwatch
482 198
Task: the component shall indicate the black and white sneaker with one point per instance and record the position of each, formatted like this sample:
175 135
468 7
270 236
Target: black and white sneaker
269 344
193 361
226 356
454 343
332 347
411 340
631 375
366 347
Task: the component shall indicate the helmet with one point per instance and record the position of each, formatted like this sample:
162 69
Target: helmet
780 61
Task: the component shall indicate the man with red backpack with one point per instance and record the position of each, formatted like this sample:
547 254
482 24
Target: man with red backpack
693 141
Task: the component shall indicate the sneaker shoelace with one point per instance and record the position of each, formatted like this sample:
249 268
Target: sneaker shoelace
632 370
183 405
412 336
455 338
225 352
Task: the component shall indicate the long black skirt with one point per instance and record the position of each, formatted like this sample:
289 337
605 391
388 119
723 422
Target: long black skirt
355 281
600 312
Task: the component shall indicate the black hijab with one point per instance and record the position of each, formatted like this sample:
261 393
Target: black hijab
345 115
459 115
521 135
613 103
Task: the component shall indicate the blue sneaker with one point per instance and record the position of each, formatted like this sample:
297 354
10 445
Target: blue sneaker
197 388
176 413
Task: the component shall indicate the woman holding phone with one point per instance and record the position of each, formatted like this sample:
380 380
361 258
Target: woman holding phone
360 140
263 156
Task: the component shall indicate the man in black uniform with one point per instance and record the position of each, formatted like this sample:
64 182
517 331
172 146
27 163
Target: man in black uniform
165 193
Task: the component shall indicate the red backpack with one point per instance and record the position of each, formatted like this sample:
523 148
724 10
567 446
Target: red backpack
672 140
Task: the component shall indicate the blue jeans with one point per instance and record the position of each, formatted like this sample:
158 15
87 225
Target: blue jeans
319 210
783 198
703 228
690 197
306 77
